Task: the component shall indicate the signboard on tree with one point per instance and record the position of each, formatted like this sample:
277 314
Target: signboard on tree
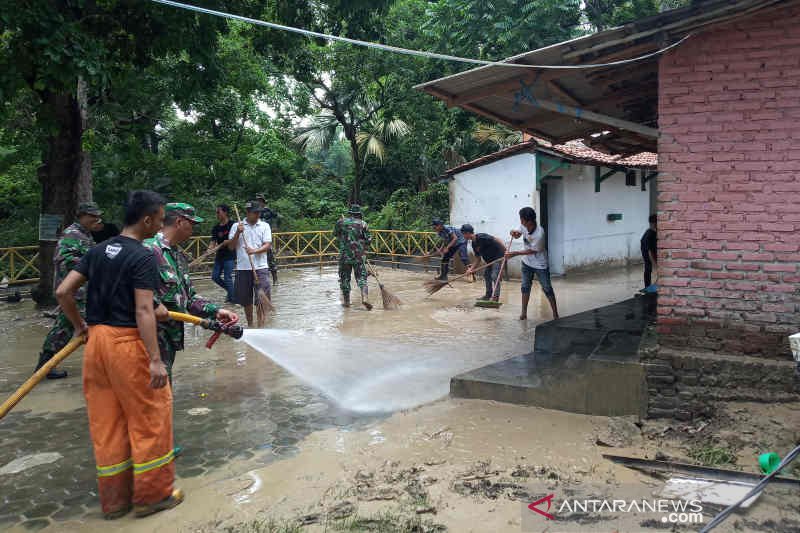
49 226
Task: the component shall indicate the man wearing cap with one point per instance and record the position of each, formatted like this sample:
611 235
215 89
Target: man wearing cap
270 217
353 237
251 239
175 289
490 249
72 246
452 242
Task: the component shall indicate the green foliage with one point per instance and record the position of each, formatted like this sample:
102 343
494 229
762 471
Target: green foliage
207 111
407 210
709 455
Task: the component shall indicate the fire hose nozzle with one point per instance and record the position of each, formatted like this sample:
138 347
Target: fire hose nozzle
235 330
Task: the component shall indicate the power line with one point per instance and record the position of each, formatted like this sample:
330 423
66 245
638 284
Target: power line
407 51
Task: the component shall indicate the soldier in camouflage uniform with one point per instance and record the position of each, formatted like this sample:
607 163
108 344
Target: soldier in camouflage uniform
353 236
74 243
176 291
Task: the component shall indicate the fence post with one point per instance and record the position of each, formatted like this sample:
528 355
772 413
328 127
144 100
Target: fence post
319 249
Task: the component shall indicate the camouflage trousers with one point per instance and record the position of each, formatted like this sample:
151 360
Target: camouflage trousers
168 351
60 333
345 269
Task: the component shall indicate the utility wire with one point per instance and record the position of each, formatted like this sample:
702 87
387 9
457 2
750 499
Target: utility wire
407 51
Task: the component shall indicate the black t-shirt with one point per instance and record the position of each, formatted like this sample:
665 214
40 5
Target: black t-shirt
114 269
487 247
649 242
219 233
109 230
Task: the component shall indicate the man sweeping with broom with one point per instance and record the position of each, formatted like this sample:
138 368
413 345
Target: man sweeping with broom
490 249
353 236
252 238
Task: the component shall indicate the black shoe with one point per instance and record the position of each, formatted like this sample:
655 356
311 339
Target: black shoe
56 374
485 297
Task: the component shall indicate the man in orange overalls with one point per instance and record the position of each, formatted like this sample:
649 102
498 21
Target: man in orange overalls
125 382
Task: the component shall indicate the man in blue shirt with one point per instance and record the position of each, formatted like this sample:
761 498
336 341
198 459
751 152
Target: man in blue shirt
452 242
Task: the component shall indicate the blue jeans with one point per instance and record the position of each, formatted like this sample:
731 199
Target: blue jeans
544 279
224 267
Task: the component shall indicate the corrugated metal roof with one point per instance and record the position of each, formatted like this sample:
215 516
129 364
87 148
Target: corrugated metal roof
628 93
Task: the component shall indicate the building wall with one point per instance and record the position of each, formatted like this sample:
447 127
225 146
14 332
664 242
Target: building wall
490 196
586 236
729 187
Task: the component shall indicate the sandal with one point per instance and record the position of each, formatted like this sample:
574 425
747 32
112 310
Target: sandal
168 503
119 513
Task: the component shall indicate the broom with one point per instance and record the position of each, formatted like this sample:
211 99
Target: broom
494 304
263 305
204 255
433 286
390 301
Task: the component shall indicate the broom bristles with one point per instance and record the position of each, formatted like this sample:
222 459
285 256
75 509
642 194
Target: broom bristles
434 285
263 307
390 301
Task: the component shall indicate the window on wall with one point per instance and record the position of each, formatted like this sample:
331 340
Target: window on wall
630 178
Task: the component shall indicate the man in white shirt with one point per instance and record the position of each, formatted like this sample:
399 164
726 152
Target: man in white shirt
534 260
251 239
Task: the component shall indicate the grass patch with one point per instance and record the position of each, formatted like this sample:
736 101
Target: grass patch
269 525
712 455
389 522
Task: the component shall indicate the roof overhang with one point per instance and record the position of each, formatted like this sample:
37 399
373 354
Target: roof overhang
612 108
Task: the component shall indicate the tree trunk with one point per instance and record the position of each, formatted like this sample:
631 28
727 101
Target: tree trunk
65 176
355 194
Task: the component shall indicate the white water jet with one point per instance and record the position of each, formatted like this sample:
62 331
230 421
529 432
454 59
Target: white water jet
362 375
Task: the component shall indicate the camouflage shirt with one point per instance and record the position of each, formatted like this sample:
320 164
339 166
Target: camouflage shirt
72 246
354 239
176 291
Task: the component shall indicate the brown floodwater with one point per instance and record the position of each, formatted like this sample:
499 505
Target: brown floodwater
236 408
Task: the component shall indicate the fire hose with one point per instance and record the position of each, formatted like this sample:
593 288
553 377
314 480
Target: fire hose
232 329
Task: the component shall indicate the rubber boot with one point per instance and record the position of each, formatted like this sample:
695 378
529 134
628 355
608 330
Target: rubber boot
274 277
365 299
345 299
54 373
445 268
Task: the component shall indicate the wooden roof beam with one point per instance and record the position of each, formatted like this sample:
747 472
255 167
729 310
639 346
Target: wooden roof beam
494 89
591 116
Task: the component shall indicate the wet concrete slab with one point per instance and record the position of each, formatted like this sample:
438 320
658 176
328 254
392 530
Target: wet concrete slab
585 363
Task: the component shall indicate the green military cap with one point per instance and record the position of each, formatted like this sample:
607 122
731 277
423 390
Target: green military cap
355 209
184 210
89 208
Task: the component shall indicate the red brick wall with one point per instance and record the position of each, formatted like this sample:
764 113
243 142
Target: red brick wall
729 187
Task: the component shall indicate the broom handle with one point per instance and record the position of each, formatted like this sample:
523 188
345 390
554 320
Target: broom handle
502 266
205 254
477 269
66 351
250 257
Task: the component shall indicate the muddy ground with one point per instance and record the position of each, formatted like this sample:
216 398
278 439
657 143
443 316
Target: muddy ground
265 451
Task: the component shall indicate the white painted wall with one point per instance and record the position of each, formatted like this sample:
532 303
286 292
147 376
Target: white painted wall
490 196
588 237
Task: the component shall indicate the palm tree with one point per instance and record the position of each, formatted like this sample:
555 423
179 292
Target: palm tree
365 126
498 134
